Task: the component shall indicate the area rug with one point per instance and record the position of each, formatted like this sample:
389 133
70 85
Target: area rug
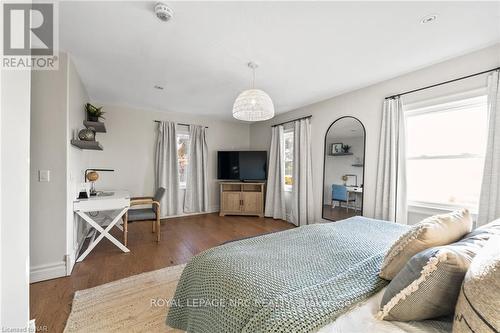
135 304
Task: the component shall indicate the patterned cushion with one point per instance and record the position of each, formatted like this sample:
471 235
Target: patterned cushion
141 214
436 230
429 284
479 300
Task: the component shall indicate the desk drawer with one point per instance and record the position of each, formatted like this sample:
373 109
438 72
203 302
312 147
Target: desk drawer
94 205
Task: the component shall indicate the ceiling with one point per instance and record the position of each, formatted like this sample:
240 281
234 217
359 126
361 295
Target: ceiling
307 51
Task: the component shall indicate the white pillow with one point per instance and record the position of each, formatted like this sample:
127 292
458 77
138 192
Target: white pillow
434 231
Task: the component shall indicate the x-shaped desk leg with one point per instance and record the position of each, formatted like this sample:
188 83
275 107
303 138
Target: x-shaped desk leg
103 233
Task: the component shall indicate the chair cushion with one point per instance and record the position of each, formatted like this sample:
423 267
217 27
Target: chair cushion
433 231
429 284
141 214
479 300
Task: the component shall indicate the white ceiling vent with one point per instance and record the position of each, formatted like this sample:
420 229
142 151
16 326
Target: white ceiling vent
163 12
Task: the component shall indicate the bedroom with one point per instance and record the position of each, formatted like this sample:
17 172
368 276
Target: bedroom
364 110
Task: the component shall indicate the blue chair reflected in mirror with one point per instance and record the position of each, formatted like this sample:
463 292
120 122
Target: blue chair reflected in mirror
339 194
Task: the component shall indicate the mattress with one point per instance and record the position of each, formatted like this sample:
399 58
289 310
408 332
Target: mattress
362 319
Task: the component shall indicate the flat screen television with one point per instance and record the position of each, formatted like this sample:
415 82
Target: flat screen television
242 165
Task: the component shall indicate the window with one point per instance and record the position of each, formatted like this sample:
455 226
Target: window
288 137
446 144
183 157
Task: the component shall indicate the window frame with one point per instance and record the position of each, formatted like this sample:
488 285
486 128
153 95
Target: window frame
448 103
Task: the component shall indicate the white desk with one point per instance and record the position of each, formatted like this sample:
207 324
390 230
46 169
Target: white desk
110 200
358 192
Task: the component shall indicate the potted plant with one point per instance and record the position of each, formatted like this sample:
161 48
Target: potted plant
346 148
93 113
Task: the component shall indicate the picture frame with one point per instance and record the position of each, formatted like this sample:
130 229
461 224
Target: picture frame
337 148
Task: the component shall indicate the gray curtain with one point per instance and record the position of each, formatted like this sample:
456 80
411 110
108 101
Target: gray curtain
167 168
390 195
302 205
275 193
489 202
196 197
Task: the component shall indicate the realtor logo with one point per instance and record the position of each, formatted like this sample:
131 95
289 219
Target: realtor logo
29 36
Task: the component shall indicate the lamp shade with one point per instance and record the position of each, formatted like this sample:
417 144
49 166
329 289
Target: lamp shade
253 105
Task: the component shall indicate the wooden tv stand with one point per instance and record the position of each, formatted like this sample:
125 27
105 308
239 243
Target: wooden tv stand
242 198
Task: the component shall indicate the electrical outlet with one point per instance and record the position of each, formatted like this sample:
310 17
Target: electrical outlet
44 176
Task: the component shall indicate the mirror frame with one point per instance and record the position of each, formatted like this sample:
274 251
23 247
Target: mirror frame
324 164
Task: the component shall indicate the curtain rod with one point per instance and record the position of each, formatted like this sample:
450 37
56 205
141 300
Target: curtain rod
445 82
182 124
291 121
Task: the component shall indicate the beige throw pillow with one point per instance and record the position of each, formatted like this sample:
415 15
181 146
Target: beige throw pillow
478 306
434 231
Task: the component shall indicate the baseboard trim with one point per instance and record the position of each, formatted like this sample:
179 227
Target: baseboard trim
70 263
47 271
32 326
213 209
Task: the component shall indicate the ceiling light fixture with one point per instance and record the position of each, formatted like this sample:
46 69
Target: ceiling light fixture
163 12
428 19
253 104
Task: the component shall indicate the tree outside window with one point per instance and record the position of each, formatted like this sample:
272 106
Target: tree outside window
288 137
183 157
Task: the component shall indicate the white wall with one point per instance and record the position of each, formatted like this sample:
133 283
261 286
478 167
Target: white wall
366 105
48 152
77 162
337 166
58 99
14 195
129 146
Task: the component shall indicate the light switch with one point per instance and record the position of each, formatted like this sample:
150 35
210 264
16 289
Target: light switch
44 175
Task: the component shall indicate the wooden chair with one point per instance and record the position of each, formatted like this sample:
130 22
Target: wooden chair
144 214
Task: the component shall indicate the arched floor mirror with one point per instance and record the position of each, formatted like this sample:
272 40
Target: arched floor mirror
344 169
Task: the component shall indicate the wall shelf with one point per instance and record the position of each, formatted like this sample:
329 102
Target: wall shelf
97 125
90 145
340 154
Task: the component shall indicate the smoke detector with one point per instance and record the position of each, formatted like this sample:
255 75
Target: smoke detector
163 12
428 19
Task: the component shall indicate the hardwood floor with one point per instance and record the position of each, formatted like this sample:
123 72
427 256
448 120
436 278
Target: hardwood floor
338 213
182 238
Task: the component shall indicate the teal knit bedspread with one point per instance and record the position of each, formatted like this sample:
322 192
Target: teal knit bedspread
291 281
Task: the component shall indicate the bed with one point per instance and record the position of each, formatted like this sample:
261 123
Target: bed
300 280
